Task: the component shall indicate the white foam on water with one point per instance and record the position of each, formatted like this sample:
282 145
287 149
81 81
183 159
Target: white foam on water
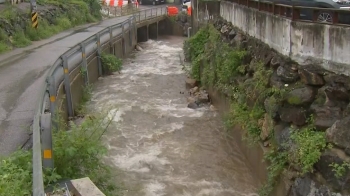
140 161
154 188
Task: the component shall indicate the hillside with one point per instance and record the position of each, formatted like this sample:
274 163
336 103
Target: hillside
54 17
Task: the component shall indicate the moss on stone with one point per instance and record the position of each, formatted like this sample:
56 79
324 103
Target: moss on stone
293 100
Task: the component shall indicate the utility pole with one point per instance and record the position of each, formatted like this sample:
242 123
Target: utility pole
34 14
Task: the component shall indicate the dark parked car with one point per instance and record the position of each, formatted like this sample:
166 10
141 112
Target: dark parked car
151 2
323 16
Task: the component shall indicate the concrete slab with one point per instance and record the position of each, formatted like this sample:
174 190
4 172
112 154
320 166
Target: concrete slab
85 187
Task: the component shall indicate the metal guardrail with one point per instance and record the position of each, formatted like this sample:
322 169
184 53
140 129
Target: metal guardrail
59 74
299 13
119 11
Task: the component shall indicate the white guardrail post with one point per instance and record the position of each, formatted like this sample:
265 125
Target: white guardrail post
45 122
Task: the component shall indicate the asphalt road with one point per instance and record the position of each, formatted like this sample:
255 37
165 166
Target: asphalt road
22 76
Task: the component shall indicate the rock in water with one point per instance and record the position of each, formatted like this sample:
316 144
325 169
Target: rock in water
192 105
190 83
138 48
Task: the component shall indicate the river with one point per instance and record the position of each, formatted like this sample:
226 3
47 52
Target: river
159 146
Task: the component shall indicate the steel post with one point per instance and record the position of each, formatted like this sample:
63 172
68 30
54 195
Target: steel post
98 38
130 33
46 140
85 69
67 86
111 49
123 40
53 94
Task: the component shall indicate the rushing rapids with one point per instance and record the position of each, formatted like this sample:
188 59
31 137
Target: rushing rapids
159 145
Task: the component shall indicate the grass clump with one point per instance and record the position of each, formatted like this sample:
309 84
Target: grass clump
110 63
311 143
20 40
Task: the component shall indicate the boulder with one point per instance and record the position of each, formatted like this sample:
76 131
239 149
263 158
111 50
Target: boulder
275 62
305 186
238 40
202 97
276 81
271 106
194 90
295 115
190 83
336 94
324 168
232 34
337 80
192 105
282 134
138 48
301 96
339 133
267 124
225 29
311 75
326 116
287 74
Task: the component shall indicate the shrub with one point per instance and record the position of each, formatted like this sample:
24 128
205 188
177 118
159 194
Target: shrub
77 153
110 63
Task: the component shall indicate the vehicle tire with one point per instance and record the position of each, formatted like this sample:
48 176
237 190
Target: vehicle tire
325 17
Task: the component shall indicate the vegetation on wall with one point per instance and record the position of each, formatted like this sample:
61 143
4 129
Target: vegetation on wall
54 16
110 63
245 82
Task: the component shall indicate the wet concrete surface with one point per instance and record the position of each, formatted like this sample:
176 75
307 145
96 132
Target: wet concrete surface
159 146
22 76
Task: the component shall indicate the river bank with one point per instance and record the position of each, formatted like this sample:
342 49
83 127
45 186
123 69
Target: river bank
296 113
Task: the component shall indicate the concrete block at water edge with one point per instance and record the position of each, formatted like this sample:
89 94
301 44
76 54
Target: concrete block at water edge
85 187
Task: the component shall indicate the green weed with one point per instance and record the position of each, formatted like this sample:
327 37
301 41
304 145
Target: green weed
77 153
110 63
20 40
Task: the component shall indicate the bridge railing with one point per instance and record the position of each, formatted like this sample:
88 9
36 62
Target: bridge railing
63 74
311 14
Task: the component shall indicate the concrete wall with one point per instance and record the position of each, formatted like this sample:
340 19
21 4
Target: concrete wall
77 79
305 43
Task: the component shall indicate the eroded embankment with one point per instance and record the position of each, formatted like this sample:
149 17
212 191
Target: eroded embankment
298 113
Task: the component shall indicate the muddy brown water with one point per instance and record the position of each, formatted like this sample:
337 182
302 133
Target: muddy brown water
159 146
